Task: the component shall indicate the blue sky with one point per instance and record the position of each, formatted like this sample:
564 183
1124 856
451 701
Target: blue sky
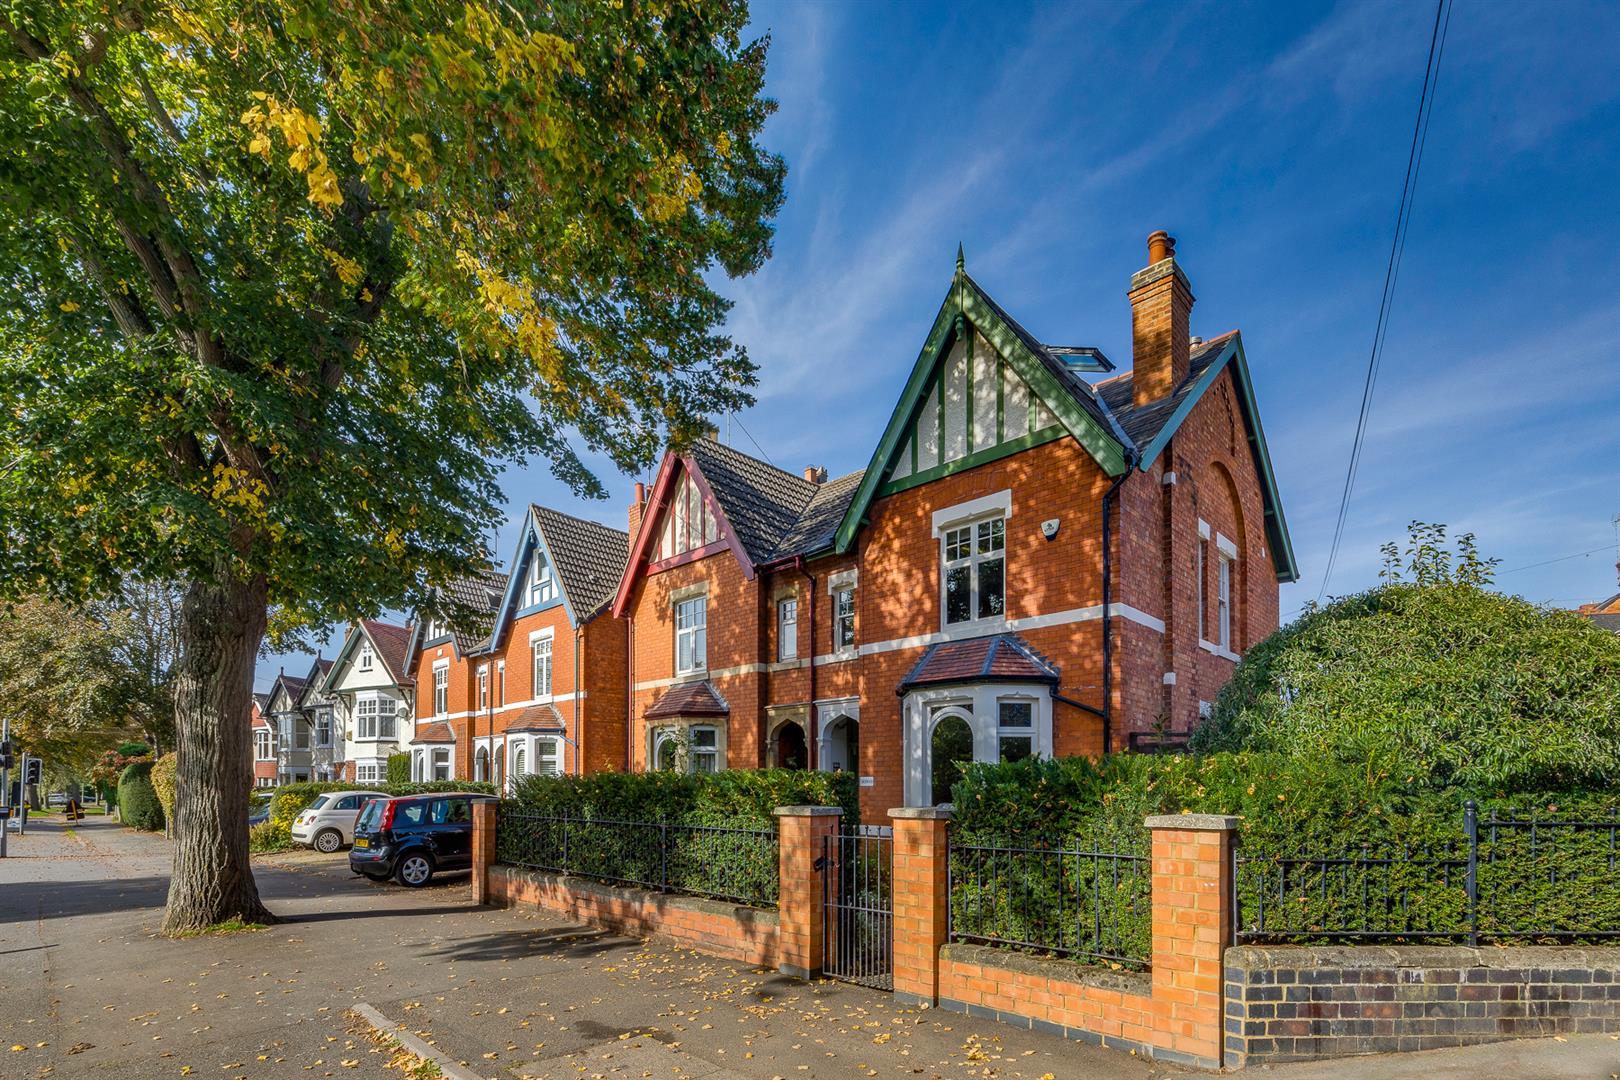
1271 141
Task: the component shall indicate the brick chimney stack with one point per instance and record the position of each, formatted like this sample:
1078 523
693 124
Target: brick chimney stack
815 474
1161 316
637 508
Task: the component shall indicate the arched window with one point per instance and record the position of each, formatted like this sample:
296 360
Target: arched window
666 751
950 747
520 764
481 764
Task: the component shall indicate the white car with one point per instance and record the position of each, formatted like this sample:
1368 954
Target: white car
328 824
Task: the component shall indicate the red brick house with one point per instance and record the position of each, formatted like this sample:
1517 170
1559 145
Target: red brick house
543 689
263 743
1031 562
439 648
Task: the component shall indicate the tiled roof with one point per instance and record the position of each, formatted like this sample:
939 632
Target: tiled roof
293 684
688 699
537 718
1142 424
776 514
997 658
589 558
391 642
762 502
1605 620
436 732
482 594
818 522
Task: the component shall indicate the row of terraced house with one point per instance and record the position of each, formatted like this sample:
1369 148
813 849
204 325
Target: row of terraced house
1042 556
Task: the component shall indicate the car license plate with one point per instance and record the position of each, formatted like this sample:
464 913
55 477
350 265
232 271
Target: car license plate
361 842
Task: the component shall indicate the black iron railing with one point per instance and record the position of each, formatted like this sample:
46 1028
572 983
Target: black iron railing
1088 901
1504 878
720 863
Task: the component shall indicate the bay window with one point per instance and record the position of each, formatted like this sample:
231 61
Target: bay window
705 752
1016 729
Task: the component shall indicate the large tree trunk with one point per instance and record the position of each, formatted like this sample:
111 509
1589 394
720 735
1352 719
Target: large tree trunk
221 626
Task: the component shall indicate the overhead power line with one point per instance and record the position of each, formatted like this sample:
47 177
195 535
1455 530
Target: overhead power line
1403 218
1559 559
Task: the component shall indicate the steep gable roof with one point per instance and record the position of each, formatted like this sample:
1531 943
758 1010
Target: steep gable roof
1151 427
1042 368
767 514
479 596
390 644
588 557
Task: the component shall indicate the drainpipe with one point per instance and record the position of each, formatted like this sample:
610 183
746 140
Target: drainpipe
1108 601
630 698
579 736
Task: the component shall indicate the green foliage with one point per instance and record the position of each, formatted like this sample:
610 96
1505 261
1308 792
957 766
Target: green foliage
163 783
265 838
290 800
133 749
1288 806
744 798
286 287
138 805
737 866
399 768
1445 684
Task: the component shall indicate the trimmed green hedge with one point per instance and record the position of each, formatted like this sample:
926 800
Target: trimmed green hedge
399 768
138 804
290 800
1290 807
740 798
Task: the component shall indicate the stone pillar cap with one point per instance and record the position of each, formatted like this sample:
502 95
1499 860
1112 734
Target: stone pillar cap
809 811
1196 822
924 813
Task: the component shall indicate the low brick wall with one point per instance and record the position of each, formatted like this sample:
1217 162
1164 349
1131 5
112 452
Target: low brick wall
1059 997
749 935
1304 1003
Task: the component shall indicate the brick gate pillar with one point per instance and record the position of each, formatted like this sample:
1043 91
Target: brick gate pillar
483 847
1192 926
801 833
921 857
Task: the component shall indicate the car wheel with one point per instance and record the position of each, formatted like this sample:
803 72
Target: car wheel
328 841
414 870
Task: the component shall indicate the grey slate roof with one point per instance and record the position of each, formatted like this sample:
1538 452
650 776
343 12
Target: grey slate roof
1142 425
588 557
1606 620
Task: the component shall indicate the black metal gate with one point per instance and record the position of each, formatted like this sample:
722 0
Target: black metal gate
858 908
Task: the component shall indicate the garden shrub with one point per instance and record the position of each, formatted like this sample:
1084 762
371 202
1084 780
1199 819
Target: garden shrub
399 768
163 783
614 832
1455 684
137 801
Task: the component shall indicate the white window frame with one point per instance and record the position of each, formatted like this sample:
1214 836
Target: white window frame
690 756
441 688
367 773
971 515
787 628
1226 572
483 686
520 761
843 627
375 718
540 689
542 579
366 657
696 635
441 758
547 755
500 683
703 758
264 745
979 705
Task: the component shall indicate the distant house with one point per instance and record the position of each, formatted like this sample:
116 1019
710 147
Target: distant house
370 688
263 742
303 718
443 679
1604 613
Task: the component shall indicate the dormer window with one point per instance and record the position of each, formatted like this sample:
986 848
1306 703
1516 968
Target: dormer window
542 583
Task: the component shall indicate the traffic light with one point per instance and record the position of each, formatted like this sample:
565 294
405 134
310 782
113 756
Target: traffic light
5 755
32 774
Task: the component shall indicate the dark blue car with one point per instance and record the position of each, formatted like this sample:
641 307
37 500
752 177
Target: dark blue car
413 837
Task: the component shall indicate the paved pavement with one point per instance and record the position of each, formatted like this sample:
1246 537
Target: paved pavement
88 989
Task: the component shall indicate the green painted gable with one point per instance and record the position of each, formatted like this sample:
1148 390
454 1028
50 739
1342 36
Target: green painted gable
977 392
